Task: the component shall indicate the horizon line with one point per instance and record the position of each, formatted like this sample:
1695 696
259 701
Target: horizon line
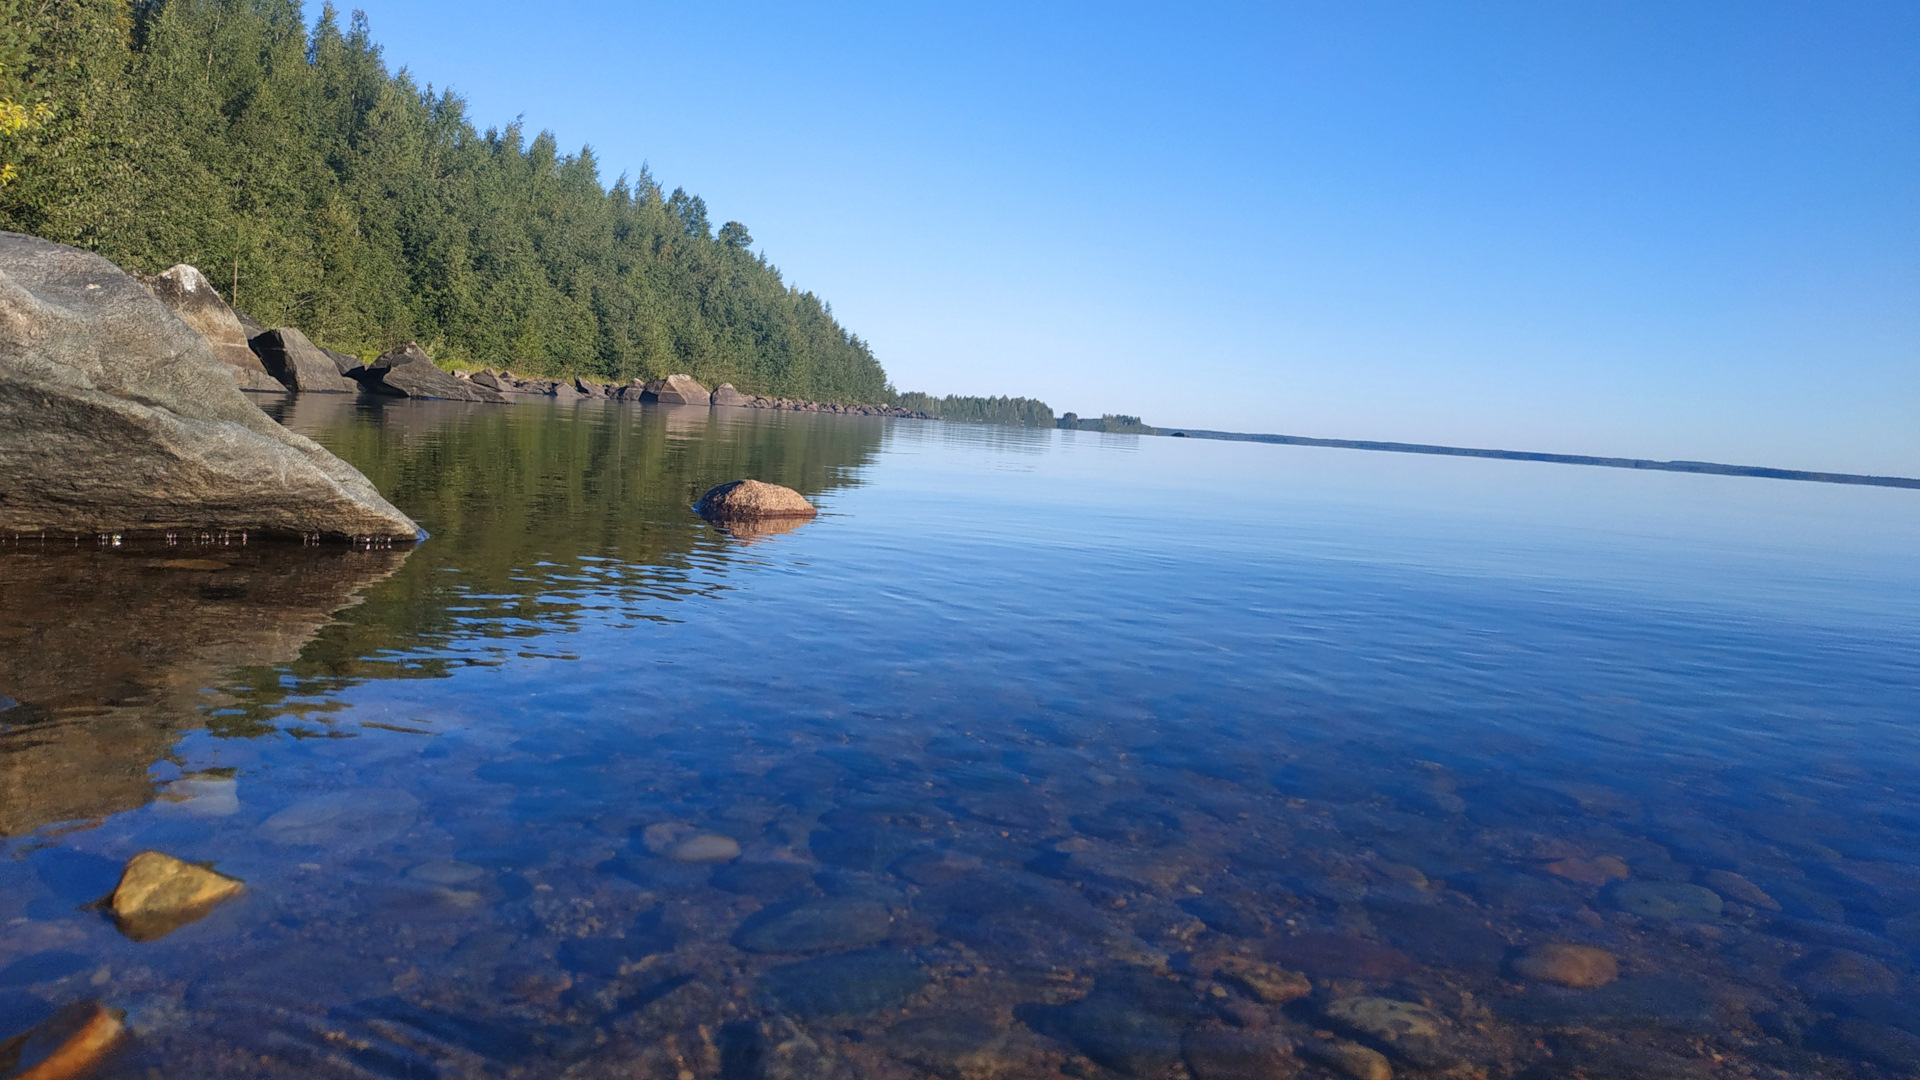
1705 467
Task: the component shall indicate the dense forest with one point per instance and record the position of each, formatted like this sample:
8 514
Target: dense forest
1017 412
332 194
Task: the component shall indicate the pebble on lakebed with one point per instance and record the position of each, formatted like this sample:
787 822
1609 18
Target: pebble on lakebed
684 843
1352 1059
158 894
1265 982
69 1044
1580 966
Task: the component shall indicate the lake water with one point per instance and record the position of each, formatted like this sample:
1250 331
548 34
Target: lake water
1037 754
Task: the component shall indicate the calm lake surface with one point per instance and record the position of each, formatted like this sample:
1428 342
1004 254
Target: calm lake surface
1037 754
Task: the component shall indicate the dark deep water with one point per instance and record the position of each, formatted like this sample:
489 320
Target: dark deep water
1044 754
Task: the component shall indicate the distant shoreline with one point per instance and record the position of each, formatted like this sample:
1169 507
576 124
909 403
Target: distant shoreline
1709 467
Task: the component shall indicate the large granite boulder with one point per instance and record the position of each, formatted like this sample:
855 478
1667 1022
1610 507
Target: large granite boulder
346 363
408 372
727 395
677 390
300 364
198 304
115 416
752 500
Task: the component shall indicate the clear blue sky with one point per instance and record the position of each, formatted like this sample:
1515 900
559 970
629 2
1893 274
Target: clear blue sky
1657 229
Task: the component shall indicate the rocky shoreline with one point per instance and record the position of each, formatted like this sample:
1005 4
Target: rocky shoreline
672 390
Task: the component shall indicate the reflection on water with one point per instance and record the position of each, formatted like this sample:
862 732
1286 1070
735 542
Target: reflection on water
104 654
1036 755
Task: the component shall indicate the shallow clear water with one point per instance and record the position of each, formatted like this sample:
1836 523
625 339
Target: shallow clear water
1043 754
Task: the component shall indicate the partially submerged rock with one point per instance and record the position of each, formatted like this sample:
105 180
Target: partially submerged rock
677 390
300 364
186 291
727 395
158 894
115 416
407 371
752 500
69 1044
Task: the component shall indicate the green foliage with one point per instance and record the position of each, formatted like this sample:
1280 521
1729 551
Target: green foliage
332 194
1012 411
1114 424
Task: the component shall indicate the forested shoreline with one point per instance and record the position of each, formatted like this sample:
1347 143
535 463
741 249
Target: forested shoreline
327 192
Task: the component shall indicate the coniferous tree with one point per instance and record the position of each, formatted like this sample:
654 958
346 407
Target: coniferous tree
328 192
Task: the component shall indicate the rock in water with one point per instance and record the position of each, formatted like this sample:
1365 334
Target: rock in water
1351 1059
116 417
69 1044
1581 966
727 395
300 364
159 894
751 500
677 390
1264 982
408 372
198 304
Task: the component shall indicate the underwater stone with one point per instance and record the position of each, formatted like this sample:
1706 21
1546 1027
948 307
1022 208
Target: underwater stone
69 1044
1667 901
815 927
847 984
1736 887
356 817
1580 966
1215 1054
1359 1062
1262 981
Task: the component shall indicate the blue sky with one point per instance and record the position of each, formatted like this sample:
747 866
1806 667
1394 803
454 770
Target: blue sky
1667 229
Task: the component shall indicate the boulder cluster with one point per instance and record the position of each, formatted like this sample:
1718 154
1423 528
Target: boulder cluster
283 359
672 390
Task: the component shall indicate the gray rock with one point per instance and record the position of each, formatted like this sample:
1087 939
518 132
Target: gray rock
249 325
115 416
198 303
727 395
300 364
408 372
346 363
677 390
816 927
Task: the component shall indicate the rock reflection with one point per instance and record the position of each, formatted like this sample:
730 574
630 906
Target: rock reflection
107 654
